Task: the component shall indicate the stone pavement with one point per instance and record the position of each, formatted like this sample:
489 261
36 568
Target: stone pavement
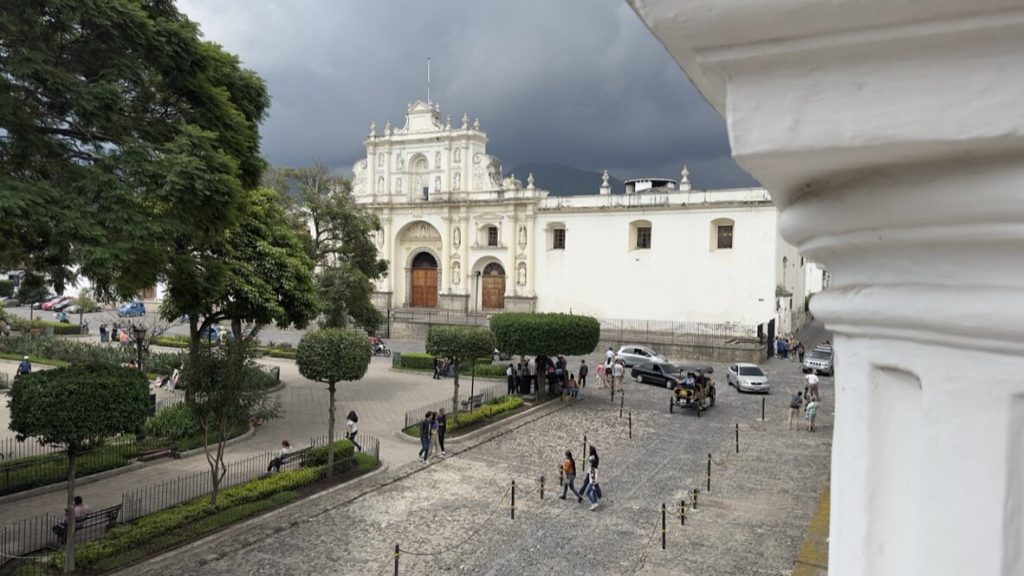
453 516
381 400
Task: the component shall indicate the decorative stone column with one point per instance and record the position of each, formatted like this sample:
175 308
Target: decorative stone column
891 135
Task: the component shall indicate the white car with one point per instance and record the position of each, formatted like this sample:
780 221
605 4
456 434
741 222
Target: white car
634 354
747 378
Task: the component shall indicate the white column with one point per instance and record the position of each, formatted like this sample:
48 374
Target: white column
891 135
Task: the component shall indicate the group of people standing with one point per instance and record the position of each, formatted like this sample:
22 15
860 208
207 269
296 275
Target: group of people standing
432 432
806 402
117 334
789 348
590 489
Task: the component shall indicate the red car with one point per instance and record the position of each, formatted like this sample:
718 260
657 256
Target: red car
56 302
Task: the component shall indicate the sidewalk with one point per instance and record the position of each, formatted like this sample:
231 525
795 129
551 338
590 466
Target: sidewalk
380 398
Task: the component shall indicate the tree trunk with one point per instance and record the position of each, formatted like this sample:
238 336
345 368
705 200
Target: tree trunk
69 516
455 395
236 328
193 349
330 433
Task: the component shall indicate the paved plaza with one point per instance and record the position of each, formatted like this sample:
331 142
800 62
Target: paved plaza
453 516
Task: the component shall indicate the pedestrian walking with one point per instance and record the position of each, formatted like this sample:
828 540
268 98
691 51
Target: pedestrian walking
609 357
442 430
812 384
809 413
800 351
618 371
593 489
425 436
592 462
583 371
352 428
510 374
437 368
795 403
435 443
569 476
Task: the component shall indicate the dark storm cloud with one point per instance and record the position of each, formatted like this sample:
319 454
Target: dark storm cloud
577 82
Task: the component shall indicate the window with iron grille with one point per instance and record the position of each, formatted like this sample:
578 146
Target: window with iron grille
492 235
724 237
643 237
558 239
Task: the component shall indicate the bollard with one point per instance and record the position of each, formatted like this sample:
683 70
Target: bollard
512 508
696 492
622 399
762 409
584 453
630 424
542 487
561 477
682 512
709 472
397 553
737 438
662 525
613 389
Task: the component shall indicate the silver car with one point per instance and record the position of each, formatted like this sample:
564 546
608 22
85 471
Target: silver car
747 378
635 354
819 359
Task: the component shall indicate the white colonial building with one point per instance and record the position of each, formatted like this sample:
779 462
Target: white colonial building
461 236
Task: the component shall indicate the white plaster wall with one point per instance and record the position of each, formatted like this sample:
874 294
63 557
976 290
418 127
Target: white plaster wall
680 278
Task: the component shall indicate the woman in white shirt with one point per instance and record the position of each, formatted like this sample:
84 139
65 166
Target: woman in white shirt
353 428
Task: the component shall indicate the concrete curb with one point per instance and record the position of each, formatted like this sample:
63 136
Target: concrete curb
812 559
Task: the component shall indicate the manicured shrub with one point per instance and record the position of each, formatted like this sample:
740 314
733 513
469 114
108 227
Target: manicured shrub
343 449
545 334
416 361
173 423
6 288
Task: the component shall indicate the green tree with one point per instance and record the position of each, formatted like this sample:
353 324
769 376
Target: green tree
227 390
127 140
332 355
545 335
260 276
460 344
32 289
339 238
74 408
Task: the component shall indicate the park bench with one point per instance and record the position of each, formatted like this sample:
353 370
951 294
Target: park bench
472 402
299 455
94 525
154 453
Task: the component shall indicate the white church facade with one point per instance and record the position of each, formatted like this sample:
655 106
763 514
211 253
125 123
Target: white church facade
461 236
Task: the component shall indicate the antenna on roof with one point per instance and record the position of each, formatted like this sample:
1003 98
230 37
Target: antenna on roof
428 79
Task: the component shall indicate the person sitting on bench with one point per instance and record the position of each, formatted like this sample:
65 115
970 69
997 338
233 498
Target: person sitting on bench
81 511
276 463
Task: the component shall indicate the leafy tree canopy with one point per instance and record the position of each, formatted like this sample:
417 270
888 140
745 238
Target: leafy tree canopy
332 354
460 343
83 403
124 139
545 334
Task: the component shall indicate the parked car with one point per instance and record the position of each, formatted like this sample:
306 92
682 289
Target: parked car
819 359
63 305
56 302
747 378
132 309
634 354
45 300
656 373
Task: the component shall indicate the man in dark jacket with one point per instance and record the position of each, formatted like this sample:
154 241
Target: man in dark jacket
425 436
583 371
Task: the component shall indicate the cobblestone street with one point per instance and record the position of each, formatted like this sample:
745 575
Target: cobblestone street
453 516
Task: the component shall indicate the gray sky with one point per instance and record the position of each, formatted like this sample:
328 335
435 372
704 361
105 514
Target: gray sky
578 82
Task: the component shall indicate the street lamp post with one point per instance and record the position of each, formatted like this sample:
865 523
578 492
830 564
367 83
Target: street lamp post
140 339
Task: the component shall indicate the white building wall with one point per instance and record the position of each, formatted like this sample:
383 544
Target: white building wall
680 278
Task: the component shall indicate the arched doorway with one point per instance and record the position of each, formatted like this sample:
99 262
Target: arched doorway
424 281
493 287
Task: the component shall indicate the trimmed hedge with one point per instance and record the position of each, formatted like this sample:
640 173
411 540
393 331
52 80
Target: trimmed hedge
75 352
496 409
59 328
281 352
546 334
425 362
416 361
343 449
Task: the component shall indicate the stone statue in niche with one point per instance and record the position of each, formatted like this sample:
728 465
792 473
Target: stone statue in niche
400 161
456 273
437 160
456 237
522 236
437 183
398 185
521 274
478 178
458 155
380 159
458 182
380 184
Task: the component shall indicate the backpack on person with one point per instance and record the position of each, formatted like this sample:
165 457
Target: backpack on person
796 402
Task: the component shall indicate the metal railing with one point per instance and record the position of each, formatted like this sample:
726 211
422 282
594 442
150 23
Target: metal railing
677 333
485 395
35 535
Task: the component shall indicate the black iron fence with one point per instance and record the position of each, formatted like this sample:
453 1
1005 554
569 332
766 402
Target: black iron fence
677 333
34 536
469 397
